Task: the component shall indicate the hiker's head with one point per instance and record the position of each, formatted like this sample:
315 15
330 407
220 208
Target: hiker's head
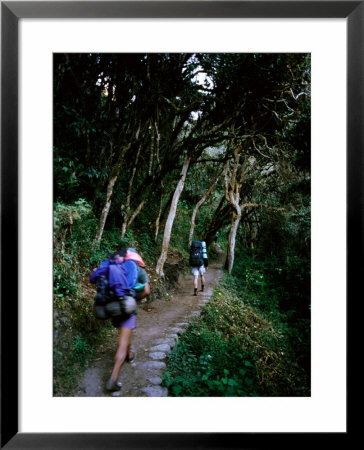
119 255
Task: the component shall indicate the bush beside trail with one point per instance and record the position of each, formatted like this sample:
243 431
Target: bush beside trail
235 349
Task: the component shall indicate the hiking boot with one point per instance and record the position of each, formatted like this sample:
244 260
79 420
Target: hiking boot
195 292
113 386
130 357
202 288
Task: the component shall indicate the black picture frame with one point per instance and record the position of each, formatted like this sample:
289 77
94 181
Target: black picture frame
11 12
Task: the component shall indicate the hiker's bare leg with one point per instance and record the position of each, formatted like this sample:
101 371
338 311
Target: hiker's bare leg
129 350
121 352
195 281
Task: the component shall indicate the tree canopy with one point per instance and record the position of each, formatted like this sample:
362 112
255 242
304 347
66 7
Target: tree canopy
127 124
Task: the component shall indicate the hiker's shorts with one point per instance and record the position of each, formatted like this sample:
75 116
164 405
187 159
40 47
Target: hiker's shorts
196 271
128 322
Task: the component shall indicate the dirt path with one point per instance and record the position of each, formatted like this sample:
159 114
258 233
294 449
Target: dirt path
158 325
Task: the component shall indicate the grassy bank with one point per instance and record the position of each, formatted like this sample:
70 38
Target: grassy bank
236 348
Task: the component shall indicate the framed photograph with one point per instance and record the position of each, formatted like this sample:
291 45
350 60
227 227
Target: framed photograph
31 33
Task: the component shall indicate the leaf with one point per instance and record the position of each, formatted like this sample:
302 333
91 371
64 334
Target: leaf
177 389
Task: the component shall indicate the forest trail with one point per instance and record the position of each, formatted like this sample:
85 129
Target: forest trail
158 325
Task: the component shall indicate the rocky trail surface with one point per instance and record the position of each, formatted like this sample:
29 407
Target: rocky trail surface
159 324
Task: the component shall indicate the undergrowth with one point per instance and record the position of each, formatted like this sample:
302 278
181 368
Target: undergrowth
235 349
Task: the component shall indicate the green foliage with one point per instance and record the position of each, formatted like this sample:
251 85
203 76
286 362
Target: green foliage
278 284
81 349
284 252
64 374
205 364
72 231
64 215
234 349
65 280
70 361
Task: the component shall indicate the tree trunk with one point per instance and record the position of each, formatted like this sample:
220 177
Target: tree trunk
165 210
105 211
124 227
231 242
232 195
157 140
126 220
115 171
136 212
216 222
199 203
157 222
208 214
109 191
171 216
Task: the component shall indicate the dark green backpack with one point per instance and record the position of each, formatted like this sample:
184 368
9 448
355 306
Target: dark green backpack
196 259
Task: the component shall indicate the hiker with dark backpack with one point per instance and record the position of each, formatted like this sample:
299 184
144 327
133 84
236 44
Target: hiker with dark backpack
120 280
198 262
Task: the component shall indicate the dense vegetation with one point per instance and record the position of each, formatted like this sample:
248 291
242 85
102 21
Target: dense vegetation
151 150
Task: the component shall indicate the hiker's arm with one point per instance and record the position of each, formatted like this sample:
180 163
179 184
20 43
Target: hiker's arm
145 292
144 279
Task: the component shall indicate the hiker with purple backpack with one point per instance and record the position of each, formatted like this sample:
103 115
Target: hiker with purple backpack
120 280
